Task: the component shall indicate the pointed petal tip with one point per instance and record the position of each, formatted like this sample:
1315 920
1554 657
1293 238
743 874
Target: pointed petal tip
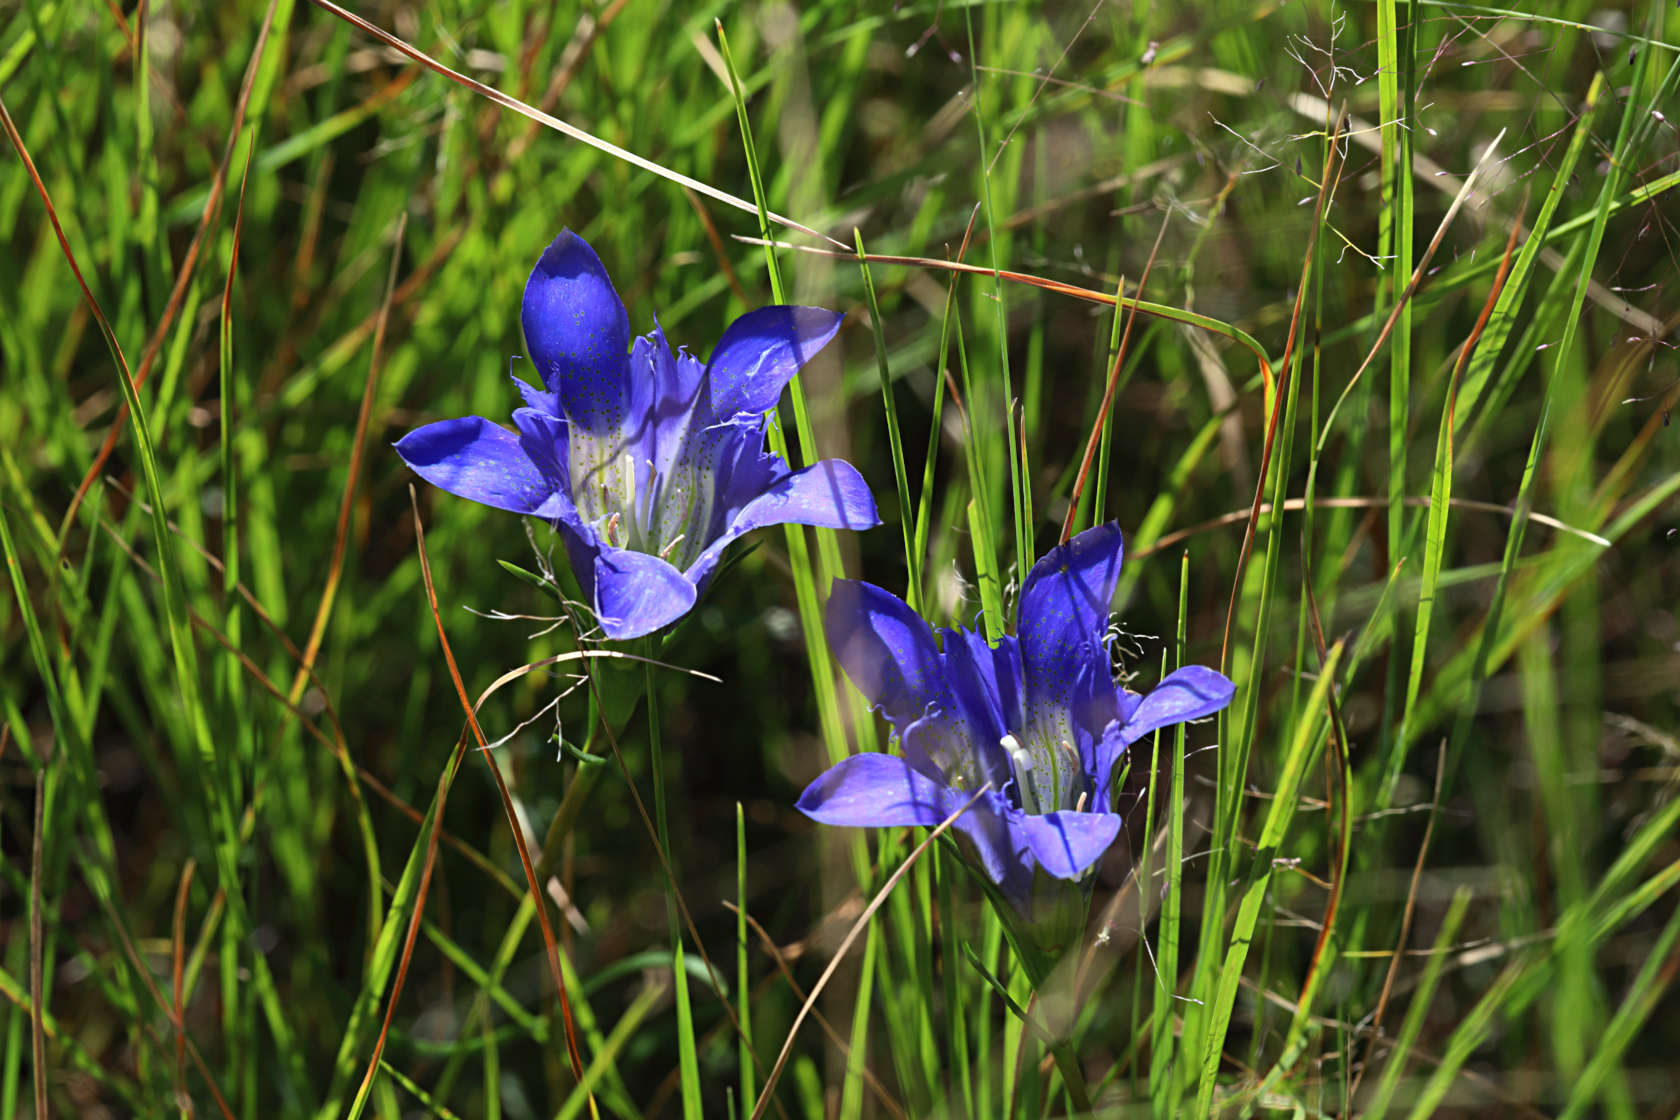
477 460
578 332
1186 694
1101 545
829 494
875 791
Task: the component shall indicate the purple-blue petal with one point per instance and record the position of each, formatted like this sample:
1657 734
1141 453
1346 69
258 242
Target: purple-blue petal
1109 748
880 791
997 843
578 334
942 745
537 397
676 377
829 494
886 648
637 593
475 459
1189 693
985 687
1067 843
1125 703
760 352
543 438
1064 615
876 791
663 388
985 681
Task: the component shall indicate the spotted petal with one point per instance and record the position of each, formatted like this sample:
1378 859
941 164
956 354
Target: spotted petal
759 354
637 593
830 494
1067 843
876 791
1064 614
543 438
985 682
1189 693
578 334
475 459
885 648
669 382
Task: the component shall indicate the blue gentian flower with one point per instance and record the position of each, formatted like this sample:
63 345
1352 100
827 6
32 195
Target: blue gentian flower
1038 716
649 463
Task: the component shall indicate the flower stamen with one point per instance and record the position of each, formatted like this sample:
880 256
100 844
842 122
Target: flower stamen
627 476
1018 754
1022 760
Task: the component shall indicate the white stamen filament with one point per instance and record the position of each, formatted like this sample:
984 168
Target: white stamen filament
1025 788
665 553
1080 806
1018 754
627 478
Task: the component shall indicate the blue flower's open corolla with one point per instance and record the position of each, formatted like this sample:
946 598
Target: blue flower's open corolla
649 463
1038 716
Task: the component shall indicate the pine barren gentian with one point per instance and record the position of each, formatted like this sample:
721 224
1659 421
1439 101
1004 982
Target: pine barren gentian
649 463
1038 716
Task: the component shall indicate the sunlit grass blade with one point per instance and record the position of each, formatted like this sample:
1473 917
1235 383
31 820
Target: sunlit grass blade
1418 1007
205 906
1163 1039
1005 398
1516 287
912 559
405 900
1435 539
1395 88
687 1055
1303 746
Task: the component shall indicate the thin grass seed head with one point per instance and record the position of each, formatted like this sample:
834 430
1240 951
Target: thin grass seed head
648 463
1038 716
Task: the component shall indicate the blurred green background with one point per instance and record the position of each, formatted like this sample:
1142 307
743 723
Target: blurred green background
384 232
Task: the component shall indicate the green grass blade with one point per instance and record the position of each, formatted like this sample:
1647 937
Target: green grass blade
912 559
1416 1010
1309 735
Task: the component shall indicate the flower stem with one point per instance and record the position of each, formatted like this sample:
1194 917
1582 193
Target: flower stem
687 1058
